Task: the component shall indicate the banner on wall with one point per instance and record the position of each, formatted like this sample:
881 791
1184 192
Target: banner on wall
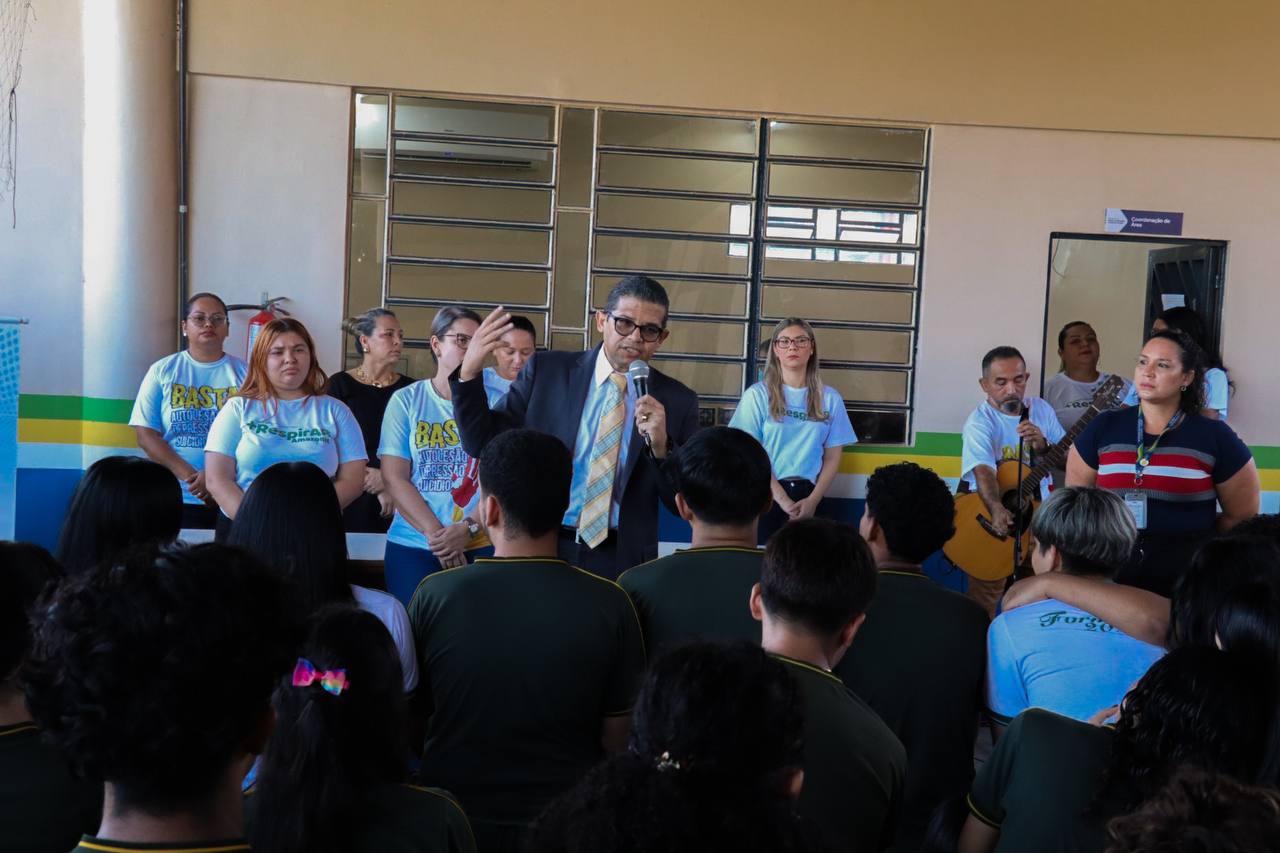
9 340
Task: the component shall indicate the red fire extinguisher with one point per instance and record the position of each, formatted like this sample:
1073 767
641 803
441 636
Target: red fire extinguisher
268 309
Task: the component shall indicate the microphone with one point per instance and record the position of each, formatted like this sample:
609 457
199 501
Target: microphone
639 373
1026 414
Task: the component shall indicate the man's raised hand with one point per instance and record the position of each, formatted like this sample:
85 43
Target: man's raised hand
488 337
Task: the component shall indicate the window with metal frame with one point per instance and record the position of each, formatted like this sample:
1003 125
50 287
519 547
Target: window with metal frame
745 220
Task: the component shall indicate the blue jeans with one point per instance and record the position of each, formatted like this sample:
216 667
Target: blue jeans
405 568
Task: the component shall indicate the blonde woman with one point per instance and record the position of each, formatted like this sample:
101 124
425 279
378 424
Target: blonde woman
801 423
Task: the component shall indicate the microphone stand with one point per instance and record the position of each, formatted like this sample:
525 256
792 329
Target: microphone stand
1017 514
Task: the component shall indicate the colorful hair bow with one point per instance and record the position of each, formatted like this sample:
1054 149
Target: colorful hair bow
332 680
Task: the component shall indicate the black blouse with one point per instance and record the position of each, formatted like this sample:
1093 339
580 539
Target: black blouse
368 404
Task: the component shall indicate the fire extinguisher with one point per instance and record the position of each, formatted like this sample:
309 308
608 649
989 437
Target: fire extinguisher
268 309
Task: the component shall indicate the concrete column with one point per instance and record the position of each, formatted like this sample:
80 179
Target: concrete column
130 191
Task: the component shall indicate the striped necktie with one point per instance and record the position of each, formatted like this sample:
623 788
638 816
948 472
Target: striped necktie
597 500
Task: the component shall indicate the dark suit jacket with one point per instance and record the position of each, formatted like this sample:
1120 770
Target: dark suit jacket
549 395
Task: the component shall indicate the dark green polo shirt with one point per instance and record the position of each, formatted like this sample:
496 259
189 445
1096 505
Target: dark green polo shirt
89 844
521 660
403 819
42 805
854 766
919 661
1040 781
695 593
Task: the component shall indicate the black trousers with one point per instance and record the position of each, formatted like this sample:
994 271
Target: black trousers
601 560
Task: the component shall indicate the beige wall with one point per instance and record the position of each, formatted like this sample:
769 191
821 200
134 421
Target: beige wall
269 200
1104 283
1193 67
996 194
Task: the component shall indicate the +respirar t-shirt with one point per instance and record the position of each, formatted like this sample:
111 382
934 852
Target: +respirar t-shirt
258 434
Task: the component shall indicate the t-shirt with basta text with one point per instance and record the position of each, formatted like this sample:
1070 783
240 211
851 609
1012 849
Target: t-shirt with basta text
521 659
1039 783
43 805
179 398
919 661
258 434
419 426
991 437
854 766
796 443
695 593
1180 481
1057 657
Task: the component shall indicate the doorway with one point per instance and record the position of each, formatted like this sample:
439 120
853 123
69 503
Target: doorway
1119 284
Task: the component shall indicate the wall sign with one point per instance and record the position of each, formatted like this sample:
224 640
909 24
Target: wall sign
1121 221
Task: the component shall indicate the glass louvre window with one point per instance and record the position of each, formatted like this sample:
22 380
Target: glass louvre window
542 207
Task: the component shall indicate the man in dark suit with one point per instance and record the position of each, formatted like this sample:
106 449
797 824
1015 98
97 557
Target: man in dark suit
618 438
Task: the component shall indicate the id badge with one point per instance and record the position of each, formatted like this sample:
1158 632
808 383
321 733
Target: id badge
1136 502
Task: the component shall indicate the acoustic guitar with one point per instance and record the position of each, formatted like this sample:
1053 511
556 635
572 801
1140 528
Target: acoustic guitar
986 553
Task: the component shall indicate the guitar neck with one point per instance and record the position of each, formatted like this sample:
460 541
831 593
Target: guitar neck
1056 456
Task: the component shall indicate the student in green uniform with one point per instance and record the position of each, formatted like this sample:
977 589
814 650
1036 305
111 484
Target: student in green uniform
919 659
42 806
332 776
722 477
817 580
529 665
1052 782
713 764
154 674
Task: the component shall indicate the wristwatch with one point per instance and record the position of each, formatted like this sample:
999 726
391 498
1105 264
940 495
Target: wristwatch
472 527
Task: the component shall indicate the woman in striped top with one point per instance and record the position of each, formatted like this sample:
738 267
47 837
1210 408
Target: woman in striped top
1172 465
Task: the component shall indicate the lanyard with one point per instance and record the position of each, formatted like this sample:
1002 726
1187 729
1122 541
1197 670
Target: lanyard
1145 453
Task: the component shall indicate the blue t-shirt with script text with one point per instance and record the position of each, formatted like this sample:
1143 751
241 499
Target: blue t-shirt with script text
795 444
1054 656
258 434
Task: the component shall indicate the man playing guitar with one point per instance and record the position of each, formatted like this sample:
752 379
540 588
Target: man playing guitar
992 434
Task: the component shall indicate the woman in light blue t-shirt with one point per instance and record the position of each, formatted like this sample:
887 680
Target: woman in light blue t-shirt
430 477
282 414
802 424
179 398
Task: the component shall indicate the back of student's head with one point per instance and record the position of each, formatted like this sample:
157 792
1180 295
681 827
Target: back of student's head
723 474
26 570
154 673
1197 705
330 750
290 518
716 737
817 576
121 502
529 474
1092 529
914 508
1264 524
1218 566
1199 812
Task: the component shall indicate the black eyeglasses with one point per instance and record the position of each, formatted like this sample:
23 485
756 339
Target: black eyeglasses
214 320
625 326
